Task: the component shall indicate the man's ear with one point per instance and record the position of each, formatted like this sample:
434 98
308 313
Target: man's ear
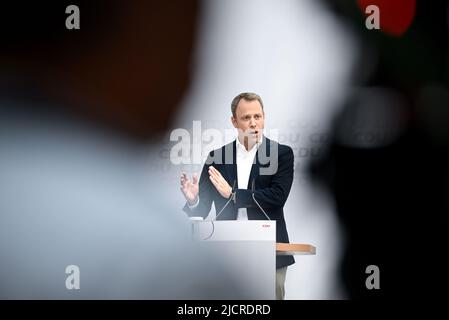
234 122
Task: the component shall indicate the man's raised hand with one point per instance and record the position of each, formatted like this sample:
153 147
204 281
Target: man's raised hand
190 188
219 182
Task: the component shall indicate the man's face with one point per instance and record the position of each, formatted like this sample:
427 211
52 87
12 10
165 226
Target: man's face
249 120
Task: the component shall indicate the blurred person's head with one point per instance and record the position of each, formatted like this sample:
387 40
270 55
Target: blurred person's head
248 117
75 196
126 67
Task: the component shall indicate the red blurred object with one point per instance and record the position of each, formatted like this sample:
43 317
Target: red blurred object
396 16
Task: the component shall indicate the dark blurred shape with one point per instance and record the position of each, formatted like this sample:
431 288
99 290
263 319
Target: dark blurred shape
391 188
123 59
77 109
374 118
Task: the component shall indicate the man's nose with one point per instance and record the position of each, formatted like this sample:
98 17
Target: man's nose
252 123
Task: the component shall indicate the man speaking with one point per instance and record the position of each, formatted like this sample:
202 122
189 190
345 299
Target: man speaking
254 171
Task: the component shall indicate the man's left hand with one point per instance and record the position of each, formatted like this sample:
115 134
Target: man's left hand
219 182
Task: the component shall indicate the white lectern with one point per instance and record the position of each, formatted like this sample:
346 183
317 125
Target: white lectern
249 249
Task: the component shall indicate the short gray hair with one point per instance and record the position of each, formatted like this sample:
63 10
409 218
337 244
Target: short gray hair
248 96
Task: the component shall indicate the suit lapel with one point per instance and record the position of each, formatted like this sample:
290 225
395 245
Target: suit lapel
231 168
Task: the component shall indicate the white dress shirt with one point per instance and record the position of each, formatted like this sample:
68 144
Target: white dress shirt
244 159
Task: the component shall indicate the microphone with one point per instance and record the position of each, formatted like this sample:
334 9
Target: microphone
254 198
232 197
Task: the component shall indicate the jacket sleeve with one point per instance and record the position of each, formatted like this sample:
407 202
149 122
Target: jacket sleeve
275 195
204 194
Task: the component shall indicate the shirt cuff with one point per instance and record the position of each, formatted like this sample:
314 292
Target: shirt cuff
193 206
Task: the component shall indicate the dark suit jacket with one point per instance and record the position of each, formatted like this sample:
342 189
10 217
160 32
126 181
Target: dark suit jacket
272 177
